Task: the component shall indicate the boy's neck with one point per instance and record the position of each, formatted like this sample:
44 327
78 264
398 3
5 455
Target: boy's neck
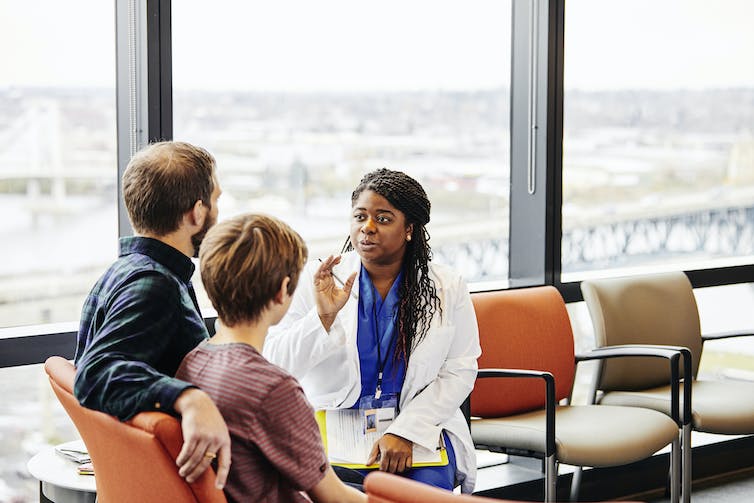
252 334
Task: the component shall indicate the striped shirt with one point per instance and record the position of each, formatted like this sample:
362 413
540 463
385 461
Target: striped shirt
275 442
137 324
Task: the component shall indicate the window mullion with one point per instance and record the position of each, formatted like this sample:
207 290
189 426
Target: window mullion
143 82
531 187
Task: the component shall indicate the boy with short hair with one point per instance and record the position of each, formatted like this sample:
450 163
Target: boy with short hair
250 266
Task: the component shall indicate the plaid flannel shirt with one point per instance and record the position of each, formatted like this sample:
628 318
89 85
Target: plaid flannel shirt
137 324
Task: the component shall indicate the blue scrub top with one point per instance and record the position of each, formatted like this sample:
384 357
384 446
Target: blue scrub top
378 321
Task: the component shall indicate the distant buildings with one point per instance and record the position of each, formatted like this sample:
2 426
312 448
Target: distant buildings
741 165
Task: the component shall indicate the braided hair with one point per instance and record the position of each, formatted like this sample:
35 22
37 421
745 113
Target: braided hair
418 296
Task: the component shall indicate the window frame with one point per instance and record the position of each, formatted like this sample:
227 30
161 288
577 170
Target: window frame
571 291
145 114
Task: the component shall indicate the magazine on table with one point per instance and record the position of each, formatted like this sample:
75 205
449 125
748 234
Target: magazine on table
74 451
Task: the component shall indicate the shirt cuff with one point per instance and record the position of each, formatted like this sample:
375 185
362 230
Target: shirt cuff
425 435
168 390
336 336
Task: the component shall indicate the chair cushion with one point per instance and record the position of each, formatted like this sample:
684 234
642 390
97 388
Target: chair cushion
589 435
725 407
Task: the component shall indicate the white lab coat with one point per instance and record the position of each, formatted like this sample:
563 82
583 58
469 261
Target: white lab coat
440 372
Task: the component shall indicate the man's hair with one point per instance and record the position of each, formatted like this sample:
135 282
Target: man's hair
165 180
243 262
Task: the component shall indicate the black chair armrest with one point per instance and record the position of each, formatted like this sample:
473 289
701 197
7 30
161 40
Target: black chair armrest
623 350
726 335
672 353
466 410
549 380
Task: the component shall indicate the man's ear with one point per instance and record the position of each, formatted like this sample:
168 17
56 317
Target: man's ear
197 214
282 292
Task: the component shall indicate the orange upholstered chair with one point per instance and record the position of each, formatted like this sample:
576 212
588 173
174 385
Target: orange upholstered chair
382 487
133 461
527 348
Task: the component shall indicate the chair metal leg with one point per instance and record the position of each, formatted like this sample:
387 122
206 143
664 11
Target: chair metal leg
576 483
551 478
675 471
686 463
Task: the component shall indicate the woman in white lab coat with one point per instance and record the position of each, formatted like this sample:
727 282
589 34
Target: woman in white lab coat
397 326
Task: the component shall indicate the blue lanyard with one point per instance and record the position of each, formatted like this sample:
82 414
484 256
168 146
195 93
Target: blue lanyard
378 343
389 333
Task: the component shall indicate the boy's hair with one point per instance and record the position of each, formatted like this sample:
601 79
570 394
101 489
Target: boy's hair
163 181
243 262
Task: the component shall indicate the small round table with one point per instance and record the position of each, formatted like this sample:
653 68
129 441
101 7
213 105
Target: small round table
58 477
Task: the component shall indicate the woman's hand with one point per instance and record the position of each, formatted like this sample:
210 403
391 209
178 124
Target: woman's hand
394 453
330 298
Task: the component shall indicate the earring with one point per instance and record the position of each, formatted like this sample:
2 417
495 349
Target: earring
408 237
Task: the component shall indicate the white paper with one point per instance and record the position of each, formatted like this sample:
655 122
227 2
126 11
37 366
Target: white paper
347 444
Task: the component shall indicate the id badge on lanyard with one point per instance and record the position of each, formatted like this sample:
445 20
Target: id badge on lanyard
378 412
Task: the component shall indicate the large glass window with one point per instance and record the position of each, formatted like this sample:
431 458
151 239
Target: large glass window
297 100
57 197
57 156
658 142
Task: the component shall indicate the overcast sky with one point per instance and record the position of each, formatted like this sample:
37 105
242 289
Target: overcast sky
385 45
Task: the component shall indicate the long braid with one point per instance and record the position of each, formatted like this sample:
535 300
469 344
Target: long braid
418 296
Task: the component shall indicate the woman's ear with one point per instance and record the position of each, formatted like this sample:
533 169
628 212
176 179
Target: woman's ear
409 231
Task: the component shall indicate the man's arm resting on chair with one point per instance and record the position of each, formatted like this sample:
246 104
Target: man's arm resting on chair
205 436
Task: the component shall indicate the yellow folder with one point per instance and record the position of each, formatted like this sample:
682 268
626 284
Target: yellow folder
422 457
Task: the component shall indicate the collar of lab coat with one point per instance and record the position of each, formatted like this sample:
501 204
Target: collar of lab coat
350 262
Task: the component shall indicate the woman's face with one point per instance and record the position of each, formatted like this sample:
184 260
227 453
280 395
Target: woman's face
378 229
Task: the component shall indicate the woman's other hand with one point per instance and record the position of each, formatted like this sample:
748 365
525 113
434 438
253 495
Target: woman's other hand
330 297
394 453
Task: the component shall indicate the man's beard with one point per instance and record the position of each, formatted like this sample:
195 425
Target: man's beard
197 238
